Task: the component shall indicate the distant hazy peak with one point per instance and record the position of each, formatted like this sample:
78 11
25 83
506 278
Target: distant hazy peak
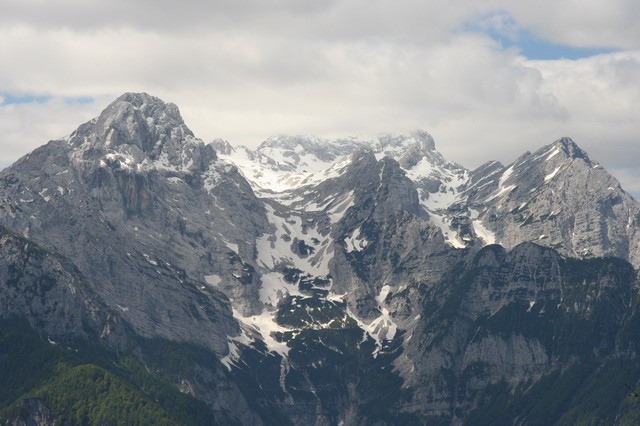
222 146
419 138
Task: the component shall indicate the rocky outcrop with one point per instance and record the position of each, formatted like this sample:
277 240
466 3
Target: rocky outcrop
513 317
559 198
144 223
53 295
324 281
33 412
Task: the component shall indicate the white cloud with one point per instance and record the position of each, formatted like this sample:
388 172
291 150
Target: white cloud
501 23
629 179
27 126
246 69
592 23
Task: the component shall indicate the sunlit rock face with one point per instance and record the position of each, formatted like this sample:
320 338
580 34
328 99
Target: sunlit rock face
349 281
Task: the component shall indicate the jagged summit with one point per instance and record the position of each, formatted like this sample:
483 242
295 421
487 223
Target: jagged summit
139 119
294 149
571 149
284 162
222 146
147 103
559 197
341 146
418 141
351 286
139 130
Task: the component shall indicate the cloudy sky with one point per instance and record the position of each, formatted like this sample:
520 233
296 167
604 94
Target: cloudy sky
488 79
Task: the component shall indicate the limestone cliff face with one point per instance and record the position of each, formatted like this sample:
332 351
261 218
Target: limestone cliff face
327 282
145 212
52 294
560 198
513 317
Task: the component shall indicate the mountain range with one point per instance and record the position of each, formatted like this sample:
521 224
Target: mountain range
312 281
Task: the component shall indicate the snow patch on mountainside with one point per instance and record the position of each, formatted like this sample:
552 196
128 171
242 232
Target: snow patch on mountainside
505 176
336 213
481 231
280 164
555 151
450 235
233 356
381 328
213 280
265 325
551 175
355 242
500 192
276 249
274 288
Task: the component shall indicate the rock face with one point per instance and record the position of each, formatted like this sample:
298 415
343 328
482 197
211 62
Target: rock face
47 289
559 198
130 197
350 281
513 317
33 413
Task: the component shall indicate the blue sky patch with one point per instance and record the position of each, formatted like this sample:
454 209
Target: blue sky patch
8 98
82 100
535 48
501 27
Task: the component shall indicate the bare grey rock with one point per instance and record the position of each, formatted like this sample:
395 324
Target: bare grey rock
146 212
559 198
299 260
33 412
52 294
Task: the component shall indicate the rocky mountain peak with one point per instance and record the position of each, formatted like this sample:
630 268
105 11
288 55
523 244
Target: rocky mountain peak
352 287
557 197
364 155
137 130
291 141
296 148
140 119
419 139
570 149
222 146
148 104
409 148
